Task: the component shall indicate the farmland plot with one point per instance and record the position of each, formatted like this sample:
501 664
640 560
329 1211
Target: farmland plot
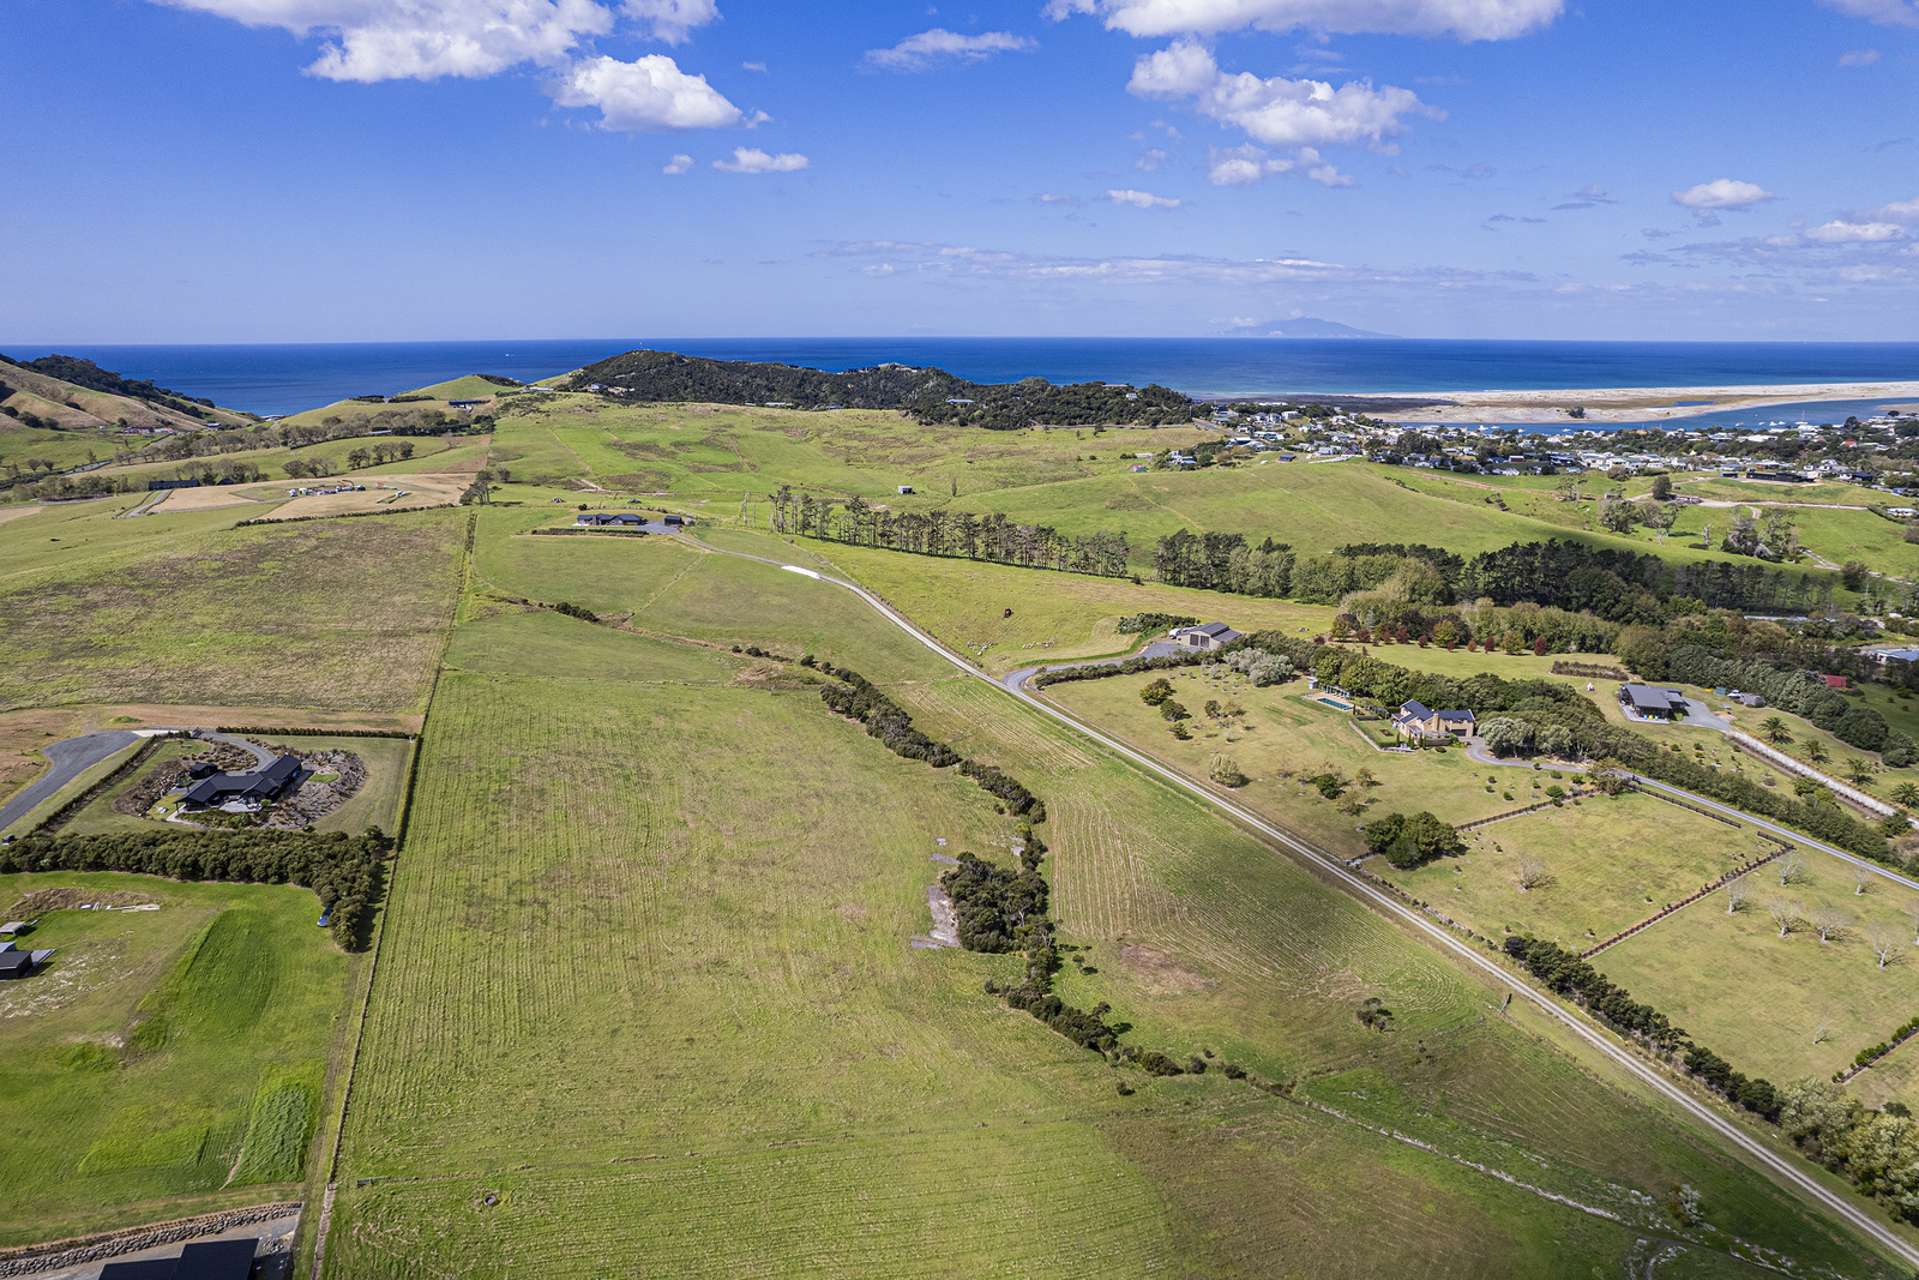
331 614
646 964
170 1060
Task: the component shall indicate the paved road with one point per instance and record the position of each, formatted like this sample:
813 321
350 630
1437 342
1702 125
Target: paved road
70 759
1016 680
1784 1168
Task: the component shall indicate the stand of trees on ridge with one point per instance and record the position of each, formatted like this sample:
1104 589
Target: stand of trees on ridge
959 534
925 395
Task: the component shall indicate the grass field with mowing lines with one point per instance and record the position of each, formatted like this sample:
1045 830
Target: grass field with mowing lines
1199 936
129 1067
1609 861
345 614
1053 616
1760 999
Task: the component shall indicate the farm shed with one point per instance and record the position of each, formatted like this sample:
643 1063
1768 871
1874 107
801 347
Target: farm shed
202 1260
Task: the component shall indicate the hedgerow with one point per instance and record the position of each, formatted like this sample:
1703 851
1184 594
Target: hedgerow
347 872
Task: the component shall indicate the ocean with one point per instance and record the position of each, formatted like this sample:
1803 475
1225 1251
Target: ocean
285 378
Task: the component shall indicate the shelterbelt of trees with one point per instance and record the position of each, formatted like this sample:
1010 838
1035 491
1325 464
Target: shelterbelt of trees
959 534
925 395
1613 585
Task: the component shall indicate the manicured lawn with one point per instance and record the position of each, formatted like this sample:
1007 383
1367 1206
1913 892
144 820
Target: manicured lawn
129 1067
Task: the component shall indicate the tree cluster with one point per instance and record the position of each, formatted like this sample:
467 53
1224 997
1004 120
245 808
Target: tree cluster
1409 841
993 903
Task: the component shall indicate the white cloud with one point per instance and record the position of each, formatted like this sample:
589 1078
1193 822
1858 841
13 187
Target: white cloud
672 20
1240 166
1858 57
371 40
1150 159
1842 232
1142 199
1054 197
650 92
753 66
1902 210
1464 19
678 165
1722 193
1276 111
915 53
1892 13
754 160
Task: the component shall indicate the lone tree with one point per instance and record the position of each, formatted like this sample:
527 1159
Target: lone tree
1886 942
1861 880
1858 771
1906 793
1775 731
1785 914
1828 922
1816 751
1790 867
1532 873
1736 894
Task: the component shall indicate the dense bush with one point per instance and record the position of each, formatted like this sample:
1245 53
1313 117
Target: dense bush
993 903
1152 623
1412 841
928 395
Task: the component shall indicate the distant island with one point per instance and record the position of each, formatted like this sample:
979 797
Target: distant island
1301 327
926 395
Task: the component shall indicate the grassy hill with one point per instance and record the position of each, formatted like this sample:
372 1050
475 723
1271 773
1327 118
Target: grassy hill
77 395
680 979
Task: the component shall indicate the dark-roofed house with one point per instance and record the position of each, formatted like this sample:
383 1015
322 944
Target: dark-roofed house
611 520
1646 702
202 1260
1207 636
244 791
1418 721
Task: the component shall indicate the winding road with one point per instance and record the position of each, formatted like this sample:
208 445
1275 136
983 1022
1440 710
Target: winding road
1784 1168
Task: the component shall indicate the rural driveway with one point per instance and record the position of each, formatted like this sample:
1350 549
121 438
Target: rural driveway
261 756
1787 1170
70 759
1016 680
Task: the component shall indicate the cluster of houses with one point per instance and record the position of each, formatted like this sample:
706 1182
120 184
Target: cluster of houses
318 490
1503 451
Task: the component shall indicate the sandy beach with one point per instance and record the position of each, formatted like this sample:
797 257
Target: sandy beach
1630 404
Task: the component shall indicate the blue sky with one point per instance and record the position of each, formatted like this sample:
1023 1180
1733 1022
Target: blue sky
334 170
